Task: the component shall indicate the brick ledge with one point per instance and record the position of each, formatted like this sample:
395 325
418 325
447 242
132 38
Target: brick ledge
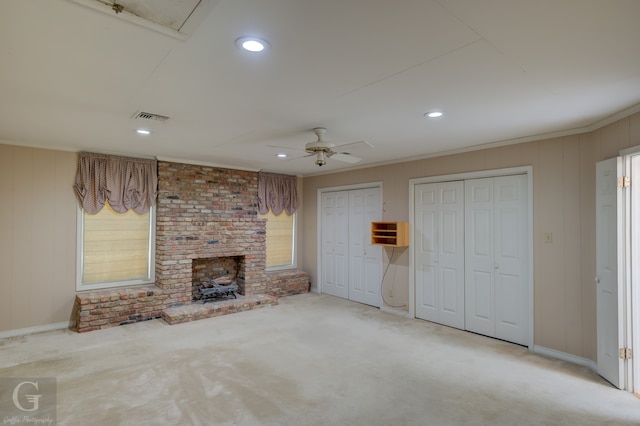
197 311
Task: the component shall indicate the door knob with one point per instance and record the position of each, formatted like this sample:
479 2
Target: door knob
597 279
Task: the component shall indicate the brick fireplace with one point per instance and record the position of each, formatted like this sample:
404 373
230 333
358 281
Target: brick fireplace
207 222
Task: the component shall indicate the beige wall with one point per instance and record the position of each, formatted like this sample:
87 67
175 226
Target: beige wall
564 204
38 228
37 237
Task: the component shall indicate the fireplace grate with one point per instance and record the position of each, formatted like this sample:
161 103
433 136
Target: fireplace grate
211 291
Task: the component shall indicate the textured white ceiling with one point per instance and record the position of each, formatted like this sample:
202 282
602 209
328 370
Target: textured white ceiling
72 77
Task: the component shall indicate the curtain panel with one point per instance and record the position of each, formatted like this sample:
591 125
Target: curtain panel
127 183
277 192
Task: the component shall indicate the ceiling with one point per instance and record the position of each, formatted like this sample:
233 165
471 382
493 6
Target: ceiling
73 76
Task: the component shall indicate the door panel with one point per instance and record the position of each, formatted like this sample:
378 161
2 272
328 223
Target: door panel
372 253
450 300
497 257
440 253
341 245
357 291
479 254
511 259
426 262
334 244
609 282
365 260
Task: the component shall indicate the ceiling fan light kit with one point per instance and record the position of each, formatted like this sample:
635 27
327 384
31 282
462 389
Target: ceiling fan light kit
320 159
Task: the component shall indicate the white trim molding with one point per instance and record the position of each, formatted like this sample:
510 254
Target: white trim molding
36 329
574 359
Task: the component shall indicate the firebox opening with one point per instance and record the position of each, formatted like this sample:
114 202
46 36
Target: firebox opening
205 269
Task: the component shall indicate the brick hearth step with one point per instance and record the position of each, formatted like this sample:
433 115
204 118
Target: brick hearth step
197 311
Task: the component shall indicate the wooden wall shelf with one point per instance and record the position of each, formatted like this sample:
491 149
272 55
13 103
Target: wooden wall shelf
393 234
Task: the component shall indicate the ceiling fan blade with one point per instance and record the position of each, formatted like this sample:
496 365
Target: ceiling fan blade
285 147
346 157
359 144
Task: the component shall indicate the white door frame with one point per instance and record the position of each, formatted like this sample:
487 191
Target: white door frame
528 170
378 185
631 319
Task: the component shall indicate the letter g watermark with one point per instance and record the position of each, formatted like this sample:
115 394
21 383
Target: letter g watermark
31 400
34 399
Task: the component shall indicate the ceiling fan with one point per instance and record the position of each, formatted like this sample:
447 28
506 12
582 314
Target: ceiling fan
323 150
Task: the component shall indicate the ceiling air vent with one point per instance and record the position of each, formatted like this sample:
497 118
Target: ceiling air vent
150 116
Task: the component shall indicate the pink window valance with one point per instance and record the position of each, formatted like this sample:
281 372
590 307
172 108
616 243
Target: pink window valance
277 192
127 183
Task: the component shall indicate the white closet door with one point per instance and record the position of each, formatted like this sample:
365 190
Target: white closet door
351 267
511 259
479 252
372 254
335 243
496 251
439 252
357 280
364 259
425 251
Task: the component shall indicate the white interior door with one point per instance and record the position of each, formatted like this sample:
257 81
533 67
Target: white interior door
496 258
335 243
609 282
439 252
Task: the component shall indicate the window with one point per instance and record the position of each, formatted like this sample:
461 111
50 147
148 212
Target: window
115 249
280 242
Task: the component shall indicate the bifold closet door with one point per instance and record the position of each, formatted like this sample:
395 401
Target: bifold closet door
334 245
364 259
496 258
351 266
439 252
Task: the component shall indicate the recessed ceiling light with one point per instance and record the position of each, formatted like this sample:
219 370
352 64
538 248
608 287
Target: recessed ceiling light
143 132
434 114
252 44
281 155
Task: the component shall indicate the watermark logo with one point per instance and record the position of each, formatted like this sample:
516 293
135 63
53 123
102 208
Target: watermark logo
33 399
28 401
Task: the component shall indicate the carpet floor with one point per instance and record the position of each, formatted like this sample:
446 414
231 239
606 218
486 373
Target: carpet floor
311 360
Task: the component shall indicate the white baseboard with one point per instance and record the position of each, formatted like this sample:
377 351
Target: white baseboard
396 311
36 329
566 357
